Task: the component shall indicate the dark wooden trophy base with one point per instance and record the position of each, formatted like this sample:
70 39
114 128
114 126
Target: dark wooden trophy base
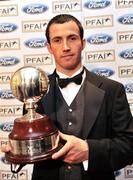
33 141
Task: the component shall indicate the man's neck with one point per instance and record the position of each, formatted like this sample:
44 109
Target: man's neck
69 73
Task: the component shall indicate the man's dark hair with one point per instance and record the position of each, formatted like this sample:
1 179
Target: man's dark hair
63 18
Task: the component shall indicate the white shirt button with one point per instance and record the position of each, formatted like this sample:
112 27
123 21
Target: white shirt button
70 110
69 167
70 123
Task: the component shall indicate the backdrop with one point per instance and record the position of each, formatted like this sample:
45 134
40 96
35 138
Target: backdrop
109 32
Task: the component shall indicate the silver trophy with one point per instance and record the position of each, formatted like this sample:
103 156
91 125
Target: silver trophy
34 137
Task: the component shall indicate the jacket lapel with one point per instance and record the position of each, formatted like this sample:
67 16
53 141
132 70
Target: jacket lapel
93 99
49 100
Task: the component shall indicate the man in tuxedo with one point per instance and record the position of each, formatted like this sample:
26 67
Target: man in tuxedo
91 112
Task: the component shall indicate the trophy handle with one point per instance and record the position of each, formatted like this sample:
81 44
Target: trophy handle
14 170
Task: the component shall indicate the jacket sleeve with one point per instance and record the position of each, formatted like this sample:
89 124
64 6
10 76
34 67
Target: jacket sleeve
115 151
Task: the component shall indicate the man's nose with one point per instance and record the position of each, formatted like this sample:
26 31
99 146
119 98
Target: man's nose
65 45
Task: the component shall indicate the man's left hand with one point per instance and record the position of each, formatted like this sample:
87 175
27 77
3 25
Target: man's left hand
74 151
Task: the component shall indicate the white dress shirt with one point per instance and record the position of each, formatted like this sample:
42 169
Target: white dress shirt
70 92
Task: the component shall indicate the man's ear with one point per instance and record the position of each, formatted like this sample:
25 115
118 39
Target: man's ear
49 48
83 43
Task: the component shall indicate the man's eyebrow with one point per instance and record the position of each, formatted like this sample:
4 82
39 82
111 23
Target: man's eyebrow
60 37
56 37
70 35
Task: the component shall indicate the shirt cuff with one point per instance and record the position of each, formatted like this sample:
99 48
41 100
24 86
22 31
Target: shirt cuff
85 164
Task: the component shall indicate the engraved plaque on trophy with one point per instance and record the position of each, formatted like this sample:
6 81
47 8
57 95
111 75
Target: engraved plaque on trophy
34 137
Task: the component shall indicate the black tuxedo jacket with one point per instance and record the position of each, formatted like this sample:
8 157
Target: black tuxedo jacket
107 127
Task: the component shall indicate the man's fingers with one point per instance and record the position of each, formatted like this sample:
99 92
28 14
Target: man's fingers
5 148
63 136
61 152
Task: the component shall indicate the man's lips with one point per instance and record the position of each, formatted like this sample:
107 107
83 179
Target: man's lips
67 55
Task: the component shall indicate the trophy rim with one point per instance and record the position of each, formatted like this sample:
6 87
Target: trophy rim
22 159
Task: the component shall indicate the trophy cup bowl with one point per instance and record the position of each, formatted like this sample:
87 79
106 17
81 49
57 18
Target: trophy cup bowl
34 137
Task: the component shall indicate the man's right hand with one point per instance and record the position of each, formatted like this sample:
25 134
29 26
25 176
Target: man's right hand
5 148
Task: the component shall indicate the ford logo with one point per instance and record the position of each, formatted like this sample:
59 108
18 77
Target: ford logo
35 8
117 173
126 19
97 4
129 88
99 39
8 61
3 159
103 72
6 94
36 43
7 27
7 126
127 54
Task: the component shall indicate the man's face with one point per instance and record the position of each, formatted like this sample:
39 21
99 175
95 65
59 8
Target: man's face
66 46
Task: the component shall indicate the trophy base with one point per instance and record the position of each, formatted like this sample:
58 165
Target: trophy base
23 159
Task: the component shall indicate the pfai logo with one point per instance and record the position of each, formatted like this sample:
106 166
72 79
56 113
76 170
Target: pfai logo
126 19
99 39
7 27
127 54
8 175
8 61
97 4
35 43
103 72
6 94
7 126
129 88
34 8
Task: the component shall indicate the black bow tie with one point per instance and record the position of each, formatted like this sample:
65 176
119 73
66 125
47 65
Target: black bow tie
63 82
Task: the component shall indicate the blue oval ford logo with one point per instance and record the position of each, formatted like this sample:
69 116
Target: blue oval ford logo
99 39
126 19
117 173
8 61
35 8
103 72
6 127
127 54
97 4
3 159
129 88
6 94
7 27
36 43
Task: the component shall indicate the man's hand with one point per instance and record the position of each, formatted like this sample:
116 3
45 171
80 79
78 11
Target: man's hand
5 148
74 151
